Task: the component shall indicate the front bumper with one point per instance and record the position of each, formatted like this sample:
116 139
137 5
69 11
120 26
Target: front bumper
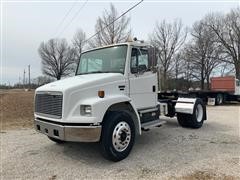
69 132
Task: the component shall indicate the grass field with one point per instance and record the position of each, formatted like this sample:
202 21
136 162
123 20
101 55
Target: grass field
16 109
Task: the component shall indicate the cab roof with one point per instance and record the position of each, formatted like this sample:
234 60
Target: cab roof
131 43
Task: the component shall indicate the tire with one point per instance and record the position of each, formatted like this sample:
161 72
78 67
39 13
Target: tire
219 99
118 136
183 119
194 120
58 141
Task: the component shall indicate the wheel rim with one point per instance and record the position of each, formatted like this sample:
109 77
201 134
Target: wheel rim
220 99
121 136
199 113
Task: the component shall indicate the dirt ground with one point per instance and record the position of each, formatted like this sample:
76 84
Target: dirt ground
16 109
168 152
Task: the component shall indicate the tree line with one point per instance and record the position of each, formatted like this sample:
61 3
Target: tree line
186 55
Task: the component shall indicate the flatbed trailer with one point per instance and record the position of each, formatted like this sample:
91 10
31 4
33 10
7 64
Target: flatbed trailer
212 97
222 89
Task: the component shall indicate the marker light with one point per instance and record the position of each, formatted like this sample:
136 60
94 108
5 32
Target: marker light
101 94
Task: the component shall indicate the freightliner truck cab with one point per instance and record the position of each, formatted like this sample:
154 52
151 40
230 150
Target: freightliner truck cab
112 98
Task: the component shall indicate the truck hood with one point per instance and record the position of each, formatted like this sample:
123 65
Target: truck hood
81 81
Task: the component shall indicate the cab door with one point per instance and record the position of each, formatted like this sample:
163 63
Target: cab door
143 82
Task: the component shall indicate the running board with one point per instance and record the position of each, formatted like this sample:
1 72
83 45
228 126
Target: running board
152 124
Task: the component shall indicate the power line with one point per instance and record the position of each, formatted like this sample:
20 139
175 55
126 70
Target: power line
75 15
114 20
65 17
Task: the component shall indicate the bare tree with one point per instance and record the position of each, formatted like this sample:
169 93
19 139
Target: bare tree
168 39
225 69
116 32
179 67
227 29
57 58
79 42
188 73
203 52
41 80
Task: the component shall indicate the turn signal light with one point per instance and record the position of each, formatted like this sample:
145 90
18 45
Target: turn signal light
101 94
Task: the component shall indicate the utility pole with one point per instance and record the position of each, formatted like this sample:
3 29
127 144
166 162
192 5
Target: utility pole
29 81
19 82
24 72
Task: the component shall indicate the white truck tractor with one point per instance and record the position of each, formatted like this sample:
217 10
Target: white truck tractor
112 98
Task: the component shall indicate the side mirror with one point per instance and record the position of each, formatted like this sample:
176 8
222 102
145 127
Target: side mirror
134 70
142 68
154 69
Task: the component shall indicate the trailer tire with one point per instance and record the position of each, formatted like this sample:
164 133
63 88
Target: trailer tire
194 120
219 99
58 141
118 135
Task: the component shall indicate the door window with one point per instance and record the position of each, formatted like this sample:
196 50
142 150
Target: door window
139 60
143 58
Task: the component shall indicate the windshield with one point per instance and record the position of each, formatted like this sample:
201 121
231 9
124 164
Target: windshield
106 60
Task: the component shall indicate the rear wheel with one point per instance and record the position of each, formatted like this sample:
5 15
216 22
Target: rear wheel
194 120
183 119
118 135
219 99
58 141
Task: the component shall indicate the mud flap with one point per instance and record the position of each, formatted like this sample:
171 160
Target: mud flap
187 106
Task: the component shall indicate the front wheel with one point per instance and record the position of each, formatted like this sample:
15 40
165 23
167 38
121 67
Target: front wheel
118 135
194 120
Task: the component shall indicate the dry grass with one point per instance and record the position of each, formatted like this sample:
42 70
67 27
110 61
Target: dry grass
16 109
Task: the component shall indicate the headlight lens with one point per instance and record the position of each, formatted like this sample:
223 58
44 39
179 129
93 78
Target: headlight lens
86 110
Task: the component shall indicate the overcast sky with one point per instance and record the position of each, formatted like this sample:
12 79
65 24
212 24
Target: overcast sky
27 23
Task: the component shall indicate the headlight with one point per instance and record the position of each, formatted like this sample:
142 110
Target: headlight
86 110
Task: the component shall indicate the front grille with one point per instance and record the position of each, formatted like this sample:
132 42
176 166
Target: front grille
49 104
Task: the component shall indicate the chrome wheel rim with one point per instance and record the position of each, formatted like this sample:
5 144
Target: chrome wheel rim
220 99
121 136
199 113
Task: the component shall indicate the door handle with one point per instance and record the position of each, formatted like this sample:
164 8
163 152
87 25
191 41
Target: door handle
121 87
154 88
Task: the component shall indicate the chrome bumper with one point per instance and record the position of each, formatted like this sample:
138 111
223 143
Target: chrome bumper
69 133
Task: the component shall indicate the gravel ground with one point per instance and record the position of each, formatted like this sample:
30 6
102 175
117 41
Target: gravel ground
168 152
